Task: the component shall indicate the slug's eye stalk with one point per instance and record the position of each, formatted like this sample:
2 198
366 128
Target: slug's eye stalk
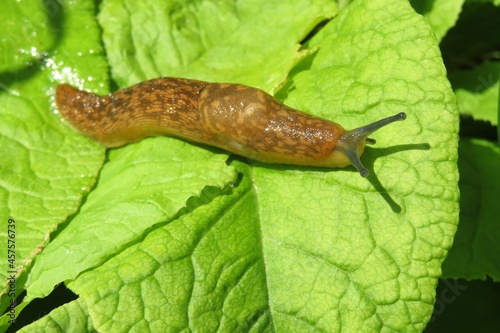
352 143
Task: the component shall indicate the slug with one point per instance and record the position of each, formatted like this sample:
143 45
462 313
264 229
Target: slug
240 119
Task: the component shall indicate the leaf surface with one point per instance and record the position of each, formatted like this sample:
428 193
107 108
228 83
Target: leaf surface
172 238
46 170
182 38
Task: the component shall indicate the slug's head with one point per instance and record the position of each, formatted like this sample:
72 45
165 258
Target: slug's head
351 144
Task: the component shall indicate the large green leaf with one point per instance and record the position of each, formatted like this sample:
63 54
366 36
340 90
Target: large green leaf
173 239
378 69
140 186
28 32
46 170
210 40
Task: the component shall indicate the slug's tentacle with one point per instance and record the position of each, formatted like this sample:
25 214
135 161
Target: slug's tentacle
370 141
352 142
243 120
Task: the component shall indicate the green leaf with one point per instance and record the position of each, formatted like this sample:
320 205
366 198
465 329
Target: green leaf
46 169
477 91
134 193
173 239
337 219
204 271
179 38
27 32
474 254
440 14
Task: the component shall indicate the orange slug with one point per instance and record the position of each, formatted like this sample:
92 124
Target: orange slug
240 119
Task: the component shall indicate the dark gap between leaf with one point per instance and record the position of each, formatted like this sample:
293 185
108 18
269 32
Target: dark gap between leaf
314 31
303 65
40 307
207 195
473 128
422 7
465 306
474 38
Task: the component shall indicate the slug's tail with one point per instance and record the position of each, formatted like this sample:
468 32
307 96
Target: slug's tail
80 109
71 101
76 105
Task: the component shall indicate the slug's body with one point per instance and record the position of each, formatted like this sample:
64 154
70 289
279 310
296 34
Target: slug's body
243 120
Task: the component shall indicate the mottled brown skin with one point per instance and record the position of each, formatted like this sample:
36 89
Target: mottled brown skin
237 118
151 108
249 122
243 120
